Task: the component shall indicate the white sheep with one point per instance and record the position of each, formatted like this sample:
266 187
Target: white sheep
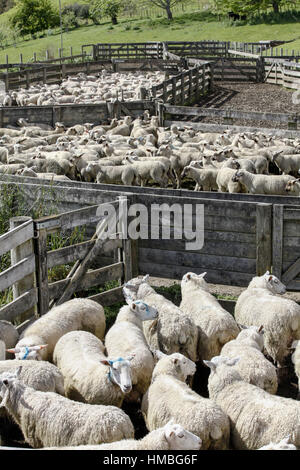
225 181
296 361
116 174
262 184
284 444
261 304
8 335
75 314
293 187
172 436
169 396
89 376
205 178
48 419
253 367
173 331
126 337
288 164
257 417
216 325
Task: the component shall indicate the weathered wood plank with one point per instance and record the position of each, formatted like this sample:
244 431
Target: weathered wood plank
263 238
16 237
110 297
20 305
78 252
40 249
291 273
195 260
17 272
277 240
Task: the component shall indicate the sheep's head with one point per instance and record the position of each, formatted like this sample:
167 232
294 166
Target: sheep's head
120 372
7 379
292 185
131 288
175 364
196 279
143 311
237 176
255 333
28 352
273 284
179 438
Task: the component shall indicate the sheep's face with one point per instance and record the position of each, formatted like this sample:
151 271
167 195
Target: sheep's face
254 333
6 380
292 185
143 311
181 439
178 364
273 284
120 372
28 352
238 175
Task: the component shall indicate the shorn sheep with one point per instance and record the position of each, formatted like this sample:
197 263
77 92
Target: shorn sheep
216 325
261 304
47 419
173 331
172 436
75 314
253 367
89 376
170 397
126 337
257 417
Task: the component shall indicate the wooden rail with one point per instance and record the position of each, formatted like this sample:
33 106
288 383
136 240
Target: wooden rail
283 73
113 254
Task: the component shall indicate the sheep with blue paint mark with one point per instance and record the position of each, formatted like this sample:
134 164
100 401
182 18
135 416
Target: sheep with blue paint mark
89 376
126 337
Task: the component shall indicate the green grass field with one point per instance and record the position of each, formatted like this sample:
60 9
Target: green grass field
190 25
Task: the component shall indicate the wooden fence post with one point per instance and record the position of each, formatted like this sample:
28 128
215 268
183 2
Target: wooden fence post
263 238
17 254
277 247
40 249
124 254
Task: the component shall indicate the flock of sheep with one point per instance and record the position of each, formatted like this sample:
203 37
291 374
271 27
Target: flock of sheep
84 89
140 152
67 384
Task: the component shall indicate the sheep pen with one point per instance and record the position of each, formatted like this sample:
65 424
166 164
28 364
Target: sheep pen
134 151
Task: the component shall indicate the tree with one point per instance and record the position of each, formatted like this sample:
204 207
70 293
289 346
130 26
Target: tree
165 5
109 8
32 16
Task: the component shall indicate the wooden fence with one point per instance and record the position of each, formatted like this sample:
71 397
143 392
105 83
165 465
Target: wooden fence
102 51
31 261
182 115
242 233
264 48
185 87
283 73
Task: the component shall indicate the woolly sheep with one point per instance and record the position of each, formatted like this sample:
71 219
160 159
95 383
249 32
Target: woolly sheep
262 184
216 325
293 187
282 445
173 331
126 337
296 361
9 336
253 367
89 376
225 182
48 419
260 304
172 436
205 178
75 314
257 417
288 164
125 174
169 396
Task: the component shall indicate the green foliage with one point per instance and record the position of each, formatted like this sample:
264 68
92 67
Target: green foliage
32 16
251 7
69 20
109 8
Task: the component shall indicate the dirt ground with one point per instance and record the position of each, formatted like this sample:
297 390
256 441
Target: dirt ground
260 97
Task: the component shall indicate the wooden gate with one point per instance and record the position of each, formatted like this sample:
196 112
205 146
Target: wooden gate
235 70
286 245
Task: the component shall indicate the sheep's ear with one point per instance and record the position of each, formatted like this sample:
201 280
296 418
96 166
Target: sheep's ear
175 360
261 329
146 278
129 358
267 273
201 276
242 327
189 276
18 371
210 364
133 306
105 362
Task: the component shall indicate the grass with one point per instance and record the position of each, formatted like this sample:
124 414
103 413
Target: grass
186 26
